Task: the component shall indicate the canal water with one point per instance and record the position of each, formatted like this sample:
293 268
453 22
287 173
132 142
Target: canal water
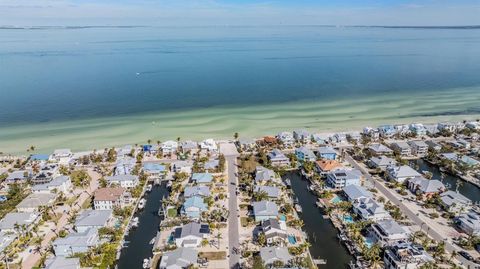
466 188
139 238
321 232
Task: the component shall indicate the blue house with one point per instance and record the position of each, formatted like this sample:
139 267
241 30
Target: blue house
305 155
202 178
154 169
327 153
193 207
3 198
39 157
387 130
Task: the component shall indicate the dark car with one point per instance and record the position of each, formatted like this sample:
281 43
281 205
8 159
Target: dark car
466 255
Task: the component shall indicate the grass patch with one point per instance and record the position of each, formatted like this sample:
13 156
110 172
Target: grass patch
244 221
172 212
212 256
87 204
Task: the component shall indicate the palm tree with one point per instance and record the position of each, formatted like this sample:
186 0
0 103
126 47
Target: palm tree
235 136
149 141
453 255
218 237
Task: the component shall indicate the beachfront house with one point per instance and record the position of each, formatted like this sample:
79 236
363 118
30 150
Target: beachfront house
189 146
58 184
474 125
273 193
405 254
199 190
277 158
378 149
355 193
341 178
169 147
321 139
369 209
387 232
179 258
301 136
275 231
305 155
124 181
109 198
13 221
455 202
418 129
403 149
191 235
19 176
324 167
387 131
340 138
448 127
264 210
286 138
327 153
61 156
202 178
75 243
90 218
426 188
435 146
419 147
372 133
124 165
182 166
381 162
209 145
154 170
62 262
35 200
274 255
264 175
193 207
401 173
247 144
469 223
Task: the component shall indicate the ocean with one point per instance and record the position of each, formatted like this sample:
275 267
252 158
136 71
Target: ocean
92 87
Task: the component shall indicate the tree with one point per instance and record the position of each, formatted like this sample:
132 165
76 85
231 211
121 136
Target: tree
235 136
260 196
262 239
258 263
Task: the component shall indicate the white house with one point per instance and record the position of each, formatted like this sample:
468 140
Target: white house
401 173
61 156
387 232
109 198
169 146
124 181
369 209
340 178
286 138
209 145
33 201
402 148
405 255
419 147
60 184
191 234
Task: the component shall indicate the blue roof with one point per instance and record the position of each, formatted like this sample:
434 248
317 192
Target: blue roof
39 157
3 198
195 201
153 167
147 147
202 177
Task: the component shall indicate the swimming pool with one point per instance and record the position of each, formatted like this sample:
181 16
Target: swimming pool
283 217
335 200
292 240
348 219
369 241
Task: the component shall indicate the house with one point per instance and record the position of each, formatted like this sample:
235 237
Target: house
448 127
124 181
272 192
264 210
19 176
270 140
354 136
211 165
12 220
109 198
425 187
369 209
321 139
275 231
202 178
46 174
179 258
182 167
169 147
372 133
464 143
418 129
59 184
325 166
340 138
387 232
381 162
61 156
419 147
455 202
431 128
154 170
378 149
474 125
124 166
405 255
387 131
355 193
124 151
191 235
35 200
73 243
462 158
247 144
277 158
401 129
90 218
342 177
469 223
327 153
61 262
302 136
199 190
209 145
189 146
273 255
401 173
433 145
42 158
263 175
286 138
402 148
305 155
193 207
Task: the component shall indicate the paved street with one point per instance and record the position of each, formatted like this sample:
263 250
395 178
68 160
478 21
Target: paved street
409 213
231 154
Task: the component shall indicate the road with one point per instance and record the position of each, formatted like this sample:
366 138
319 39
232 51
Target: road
409 213
230 152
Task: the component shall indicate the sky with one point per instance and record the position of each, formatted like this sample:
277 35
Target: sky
239 12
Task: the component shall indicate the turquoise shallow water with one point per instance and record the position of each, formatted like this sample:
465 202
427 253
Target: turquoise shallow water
96 87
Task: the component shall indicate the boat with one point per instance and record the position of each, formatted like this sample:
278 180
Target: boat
149 188
152 241
169 184
146 263
298 208
141 203
288 182
134 222
311 188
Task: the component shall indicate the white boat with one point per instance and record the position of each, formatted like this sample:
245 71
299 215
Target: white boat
169 184
152 241
134 222
146 263
141 203
149 188
298 208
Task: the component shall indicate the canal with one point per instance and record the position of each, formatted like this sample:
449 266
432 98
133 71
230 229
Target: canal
467 189
321 232
138 247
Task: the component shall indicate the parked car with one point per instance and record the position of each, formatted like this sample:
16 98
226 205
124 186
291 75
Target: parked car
466 255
